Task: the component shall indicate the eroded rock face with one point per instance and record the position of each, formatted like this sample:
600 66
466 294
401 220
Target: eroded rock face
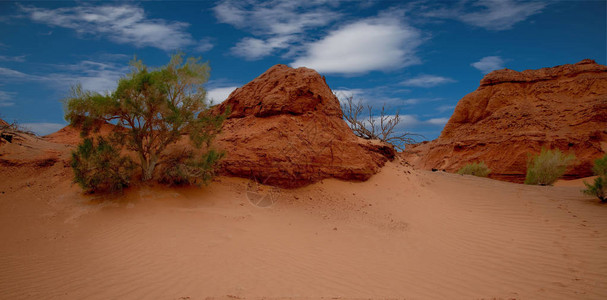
514 113
285 129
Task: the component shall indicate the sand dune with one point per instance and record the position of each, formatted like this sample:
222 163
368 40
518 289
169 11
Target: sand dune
402 234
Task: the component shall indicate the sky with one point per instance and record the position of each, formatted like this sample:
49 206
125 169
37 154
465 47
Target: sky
417 58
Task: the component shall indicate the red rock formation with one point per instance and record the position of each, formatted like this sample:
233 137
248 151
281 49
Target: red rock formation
514 113
285 129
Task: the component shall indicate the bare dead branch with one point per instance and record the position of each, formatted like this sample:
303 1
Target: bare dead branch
382 127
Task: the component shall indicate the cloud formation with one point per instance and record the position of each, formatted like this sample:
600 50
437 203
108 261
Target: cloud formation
204 45
6 99
375 44
275 25
426 81
20 58
490 14
43 128
488 64
123 24
218 95
93 76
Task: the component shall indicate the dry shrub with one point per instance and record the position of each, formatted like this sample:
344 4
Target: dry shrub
188 168
99 167
599 187
548 166
479 169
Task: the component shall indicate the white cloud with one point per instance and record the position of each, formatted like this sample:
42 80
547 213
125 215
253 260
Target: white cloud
384 95
490 14
204 45
411 101
218 95
368 45
43 128
20 58
444 108
253 48
488 64
438 121
231 13
276 25
94 76
410 121
501 14
124 24
10 73
427 81
6 99
344 94
274 17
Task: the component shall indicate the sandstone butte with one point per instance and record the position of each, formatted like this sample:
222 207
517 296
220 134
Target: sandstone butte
285 128
513 114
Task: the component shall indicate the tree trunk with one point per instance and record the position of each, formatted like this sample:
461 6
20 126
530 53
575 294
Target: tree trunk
147 167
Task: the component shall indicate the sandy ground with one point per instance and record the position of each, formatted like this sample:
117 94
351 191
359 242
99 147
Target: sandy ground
402 234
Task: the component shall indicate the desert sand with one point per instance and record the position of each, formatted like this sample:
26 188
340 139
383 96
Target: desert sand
402 234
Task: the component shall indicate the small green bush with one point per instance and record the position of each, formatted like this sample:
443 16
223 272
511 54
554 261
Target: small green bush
600 166
100 167
547 167
186 169
479 169
599 187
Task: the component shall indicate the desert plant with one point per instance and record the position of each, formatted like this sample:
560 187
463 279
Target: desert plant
13 131
548 166
98 166
186 169
151 109
600 166
599 187
479 169
382 127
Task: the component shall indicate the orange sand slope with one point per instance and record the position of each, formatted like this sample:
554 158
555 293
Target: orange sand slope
403 233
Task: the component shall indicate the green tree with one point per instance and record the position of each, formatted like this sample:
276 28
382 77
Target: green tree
151 110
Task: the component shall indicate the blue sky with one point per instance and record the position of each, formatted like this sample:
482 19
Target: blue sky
418 57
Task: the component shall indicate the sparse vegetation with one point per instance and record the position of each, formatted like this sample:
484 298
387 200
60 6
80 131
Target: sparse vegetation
479 169
599 187
382 127
186 169
11 131
548 166
150 110
98 166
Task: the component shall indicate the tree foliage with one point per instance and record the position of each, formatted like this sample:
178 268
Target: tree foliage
151 110
599 187
548 166
382 127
